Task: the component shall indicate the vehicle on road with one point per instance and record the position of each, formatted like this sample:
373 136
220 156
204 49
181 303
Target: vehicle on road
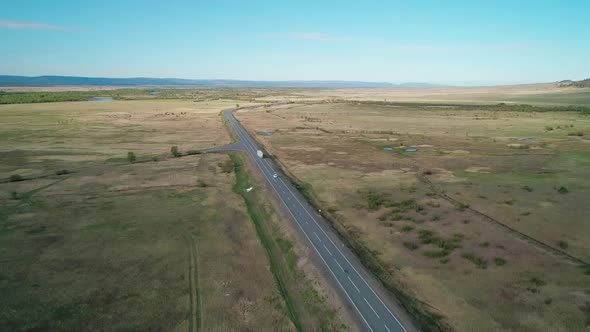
275 175
259 154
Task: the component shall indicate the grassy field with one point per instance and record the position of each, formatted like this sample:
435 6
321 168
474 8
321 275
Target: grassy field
537 94
312 304
449 221
40 138
115 245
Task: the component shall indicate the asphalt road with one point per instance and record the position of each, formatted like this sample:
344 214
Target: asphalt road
372 310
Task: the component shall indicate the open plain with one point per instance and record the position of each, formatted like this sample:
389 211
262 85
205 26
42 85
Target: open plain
485 222
102 228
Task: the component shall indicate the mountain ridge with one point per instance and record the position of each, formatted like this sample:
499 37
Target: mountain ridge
55 80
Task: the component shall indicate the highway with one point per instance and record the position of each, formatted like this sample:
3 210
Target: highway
371 309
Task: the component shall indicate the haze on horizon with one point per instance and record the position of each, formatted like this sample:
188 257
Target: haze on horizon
456 42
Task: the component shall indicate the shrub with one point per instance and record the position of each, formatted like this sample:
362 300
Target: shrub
537 281
548 301
227 166
202 184
435 217
238 105
462 207
563 190
62 172
466 221
174 151
484 244
548 128
562 244
411 245
576 133
477 261
407 228
375 200
526 213
499 261
131 157
436 253
527 188
425 236
14 195
443 260
15 178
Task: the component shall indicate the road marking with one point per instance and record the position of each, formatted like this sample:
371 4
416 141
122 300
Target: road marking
341 268
304 233
352 282
328 266
387 328
316 235
328 250
363 279
372 308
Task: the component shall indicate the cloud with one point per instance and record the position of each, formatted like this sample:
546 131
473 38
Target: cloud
19 25
460 47
315 36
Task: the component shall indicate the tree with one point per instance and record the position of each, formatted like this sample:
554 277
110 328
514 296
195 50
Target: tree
131 157
174 151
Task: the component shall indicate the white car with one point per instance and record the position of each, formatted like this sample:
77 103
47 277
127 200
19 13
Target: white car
275 175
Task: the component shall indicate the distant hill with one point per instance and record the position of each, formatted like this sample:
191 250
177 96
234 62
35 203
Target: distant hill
9 80
578 84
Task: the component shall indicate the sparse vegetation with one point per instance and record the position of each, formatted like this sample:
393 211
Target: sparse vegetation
411 245
131 157
15 178
537 281
477 261
227 166
202 184
562 190
576 133
174 151
499 261
375 200
407 228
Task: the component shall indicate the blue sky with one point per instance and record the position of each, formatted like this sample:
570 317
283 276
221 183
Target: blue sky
394 41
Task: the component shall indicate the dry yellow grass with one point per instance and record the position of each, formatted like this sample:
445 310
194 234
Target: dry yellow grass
337 148
142 246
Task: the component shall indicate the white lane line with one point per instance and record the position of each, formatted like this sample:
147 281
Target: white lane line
352 282
341 268
328 250
387 328
355 270
316 235
245 141
372 308
328 266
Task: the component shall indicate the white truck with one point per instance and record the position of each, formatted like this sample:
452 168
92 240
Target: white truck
259 154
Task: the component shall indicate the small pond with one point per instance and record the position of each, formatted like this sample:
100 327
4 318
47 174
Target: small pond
101 99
